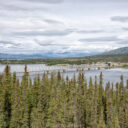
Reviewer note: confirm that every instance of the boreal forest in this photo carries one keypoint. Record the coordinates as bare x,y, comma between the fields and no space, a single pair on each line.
52,101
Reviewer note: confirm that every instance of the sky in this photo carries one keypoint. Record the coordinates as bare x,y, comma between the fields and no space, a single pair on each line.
63,26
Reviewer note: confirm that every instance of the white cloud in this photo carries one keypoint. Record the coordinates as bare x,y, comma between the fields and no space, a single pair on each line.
62,25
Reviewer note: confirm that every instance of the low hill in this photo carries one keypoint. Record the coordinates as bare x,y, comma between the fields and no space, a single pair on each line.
119,51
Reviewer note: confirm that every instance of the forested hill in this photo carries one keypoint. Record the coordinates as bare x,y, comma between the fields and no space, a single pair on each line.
118,51
117,55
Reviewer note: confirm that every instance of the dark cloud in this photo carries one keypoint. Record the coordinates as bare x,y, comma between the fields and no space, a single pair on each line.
46,1
50,21
125,29
104,0
10,43
100,39
21,8
44,33
44,43
53,44
20,5
5,42
89,31
120,18
49,43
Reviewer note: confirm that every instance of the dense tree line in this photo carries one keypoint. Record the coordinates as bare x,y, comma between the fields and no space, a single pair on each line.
55,102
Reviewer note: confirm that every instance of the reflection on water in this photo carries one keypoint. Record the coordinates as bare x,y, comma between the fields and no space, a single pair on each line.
112,75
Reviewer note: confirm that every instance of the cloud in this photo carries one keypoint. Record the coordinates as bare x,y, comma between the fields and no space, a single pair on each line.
18,7
44,33
10,44
61,25
52,43
55,22
89,31
126,29
120,18
123,41
100,39
5,42
46,1
44,42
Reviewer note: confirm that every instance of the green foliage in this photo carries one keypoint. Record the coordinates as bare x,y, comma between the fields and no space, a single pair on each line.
55,102
125,66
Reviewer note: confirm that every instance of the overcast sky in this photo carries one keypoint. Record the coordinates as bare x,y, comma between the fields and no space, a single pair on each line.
40,26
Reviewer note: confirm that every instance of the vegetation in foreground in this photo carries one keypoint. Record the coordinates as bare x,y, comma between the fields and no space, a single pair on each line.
55,102
125,66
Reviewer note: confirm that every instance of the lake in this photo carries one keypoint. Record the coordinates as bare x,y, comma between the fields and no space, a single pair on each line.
112,75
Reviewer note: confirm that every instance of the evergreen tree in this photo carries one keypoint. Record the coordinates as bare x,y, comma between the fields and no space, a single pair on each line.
101,123
58,102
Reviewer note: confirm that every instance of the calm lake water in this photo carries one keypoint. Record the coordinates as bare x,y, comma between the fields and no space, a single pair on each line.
112,75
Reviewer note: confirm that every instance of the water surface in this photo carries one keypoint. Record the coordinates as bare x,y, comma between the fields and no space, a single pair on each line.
112,75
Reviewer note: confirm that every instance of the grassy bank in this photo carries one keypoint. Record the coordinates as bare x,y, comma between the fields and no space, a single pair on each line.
125,66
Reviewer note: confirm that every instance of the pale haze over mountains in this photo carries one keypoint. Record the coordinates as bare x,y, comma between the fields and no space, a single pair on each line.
119,51
62,28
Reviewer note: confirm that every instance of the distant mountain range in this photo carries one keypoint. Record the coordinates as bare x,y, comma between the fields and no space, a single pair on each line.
116,52
45,55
